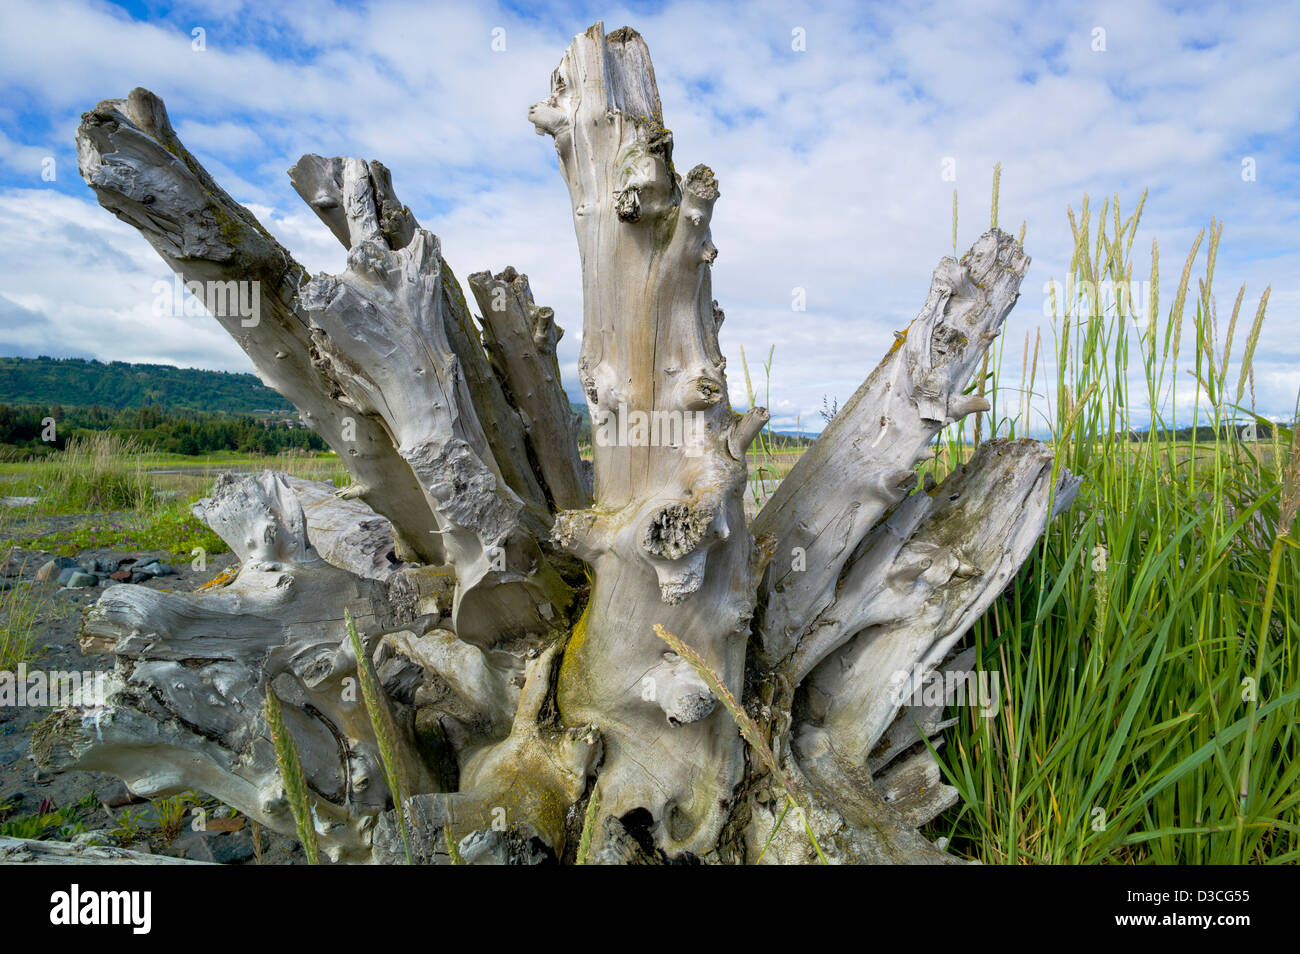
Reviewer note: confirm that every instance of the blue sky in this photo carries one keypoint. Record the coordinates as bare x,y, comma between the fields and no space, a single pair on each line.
830,158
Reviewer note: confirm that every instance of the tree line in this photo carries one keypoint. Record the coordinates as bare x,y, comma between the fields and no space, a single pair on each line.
26,431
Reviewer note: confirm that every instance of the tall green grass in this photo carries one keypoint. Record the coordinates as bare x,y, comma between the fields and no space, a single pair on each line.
1148,650
100,473
385,729
293,778
763,473
20,607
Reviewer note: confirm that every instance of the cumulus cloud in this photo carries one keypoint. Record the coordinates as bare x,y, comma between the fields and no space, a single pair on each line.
831,158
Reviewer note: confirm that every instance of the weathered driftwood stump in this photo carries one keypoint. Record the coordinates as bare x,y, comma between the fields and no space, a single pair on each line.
509,598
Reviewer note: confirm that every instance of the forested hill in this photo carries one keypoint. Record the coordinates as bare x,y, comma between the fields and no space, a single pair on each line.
75,382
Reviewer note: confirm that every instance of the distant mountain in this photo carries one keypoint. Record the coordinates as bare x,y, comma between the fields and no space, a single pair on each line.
76,382
120,385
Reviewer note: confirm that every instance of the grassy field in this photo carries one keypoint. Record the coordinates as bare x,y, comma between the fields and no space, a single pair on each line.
173,471
128,498
1148,651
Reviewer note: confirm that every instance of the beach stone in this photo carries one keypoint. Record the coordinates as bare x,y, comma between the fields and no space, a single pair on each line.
51,569
119,795
81,579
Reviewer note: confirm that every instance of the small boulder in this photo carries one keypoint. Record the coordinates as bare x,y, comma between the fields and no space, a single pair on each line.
80,579
53,569
118,795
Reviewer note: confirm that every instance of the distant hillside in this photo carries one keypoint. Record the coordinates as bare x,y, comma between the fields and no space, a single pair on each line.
75,382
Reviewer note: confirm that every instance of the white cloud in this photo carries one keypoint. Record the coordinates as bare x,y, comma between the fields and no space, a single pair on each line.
829,160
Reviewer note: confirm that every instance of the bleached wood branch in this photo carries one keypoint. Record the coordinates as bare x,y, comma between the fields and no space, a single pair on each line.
28,851
381,337
862,464
922,579
140,171
355,199
520,338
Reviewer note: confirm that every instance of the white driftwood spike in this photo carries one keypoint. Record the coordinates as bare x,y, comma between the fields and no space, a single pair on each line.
665,535
861,465
520,339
